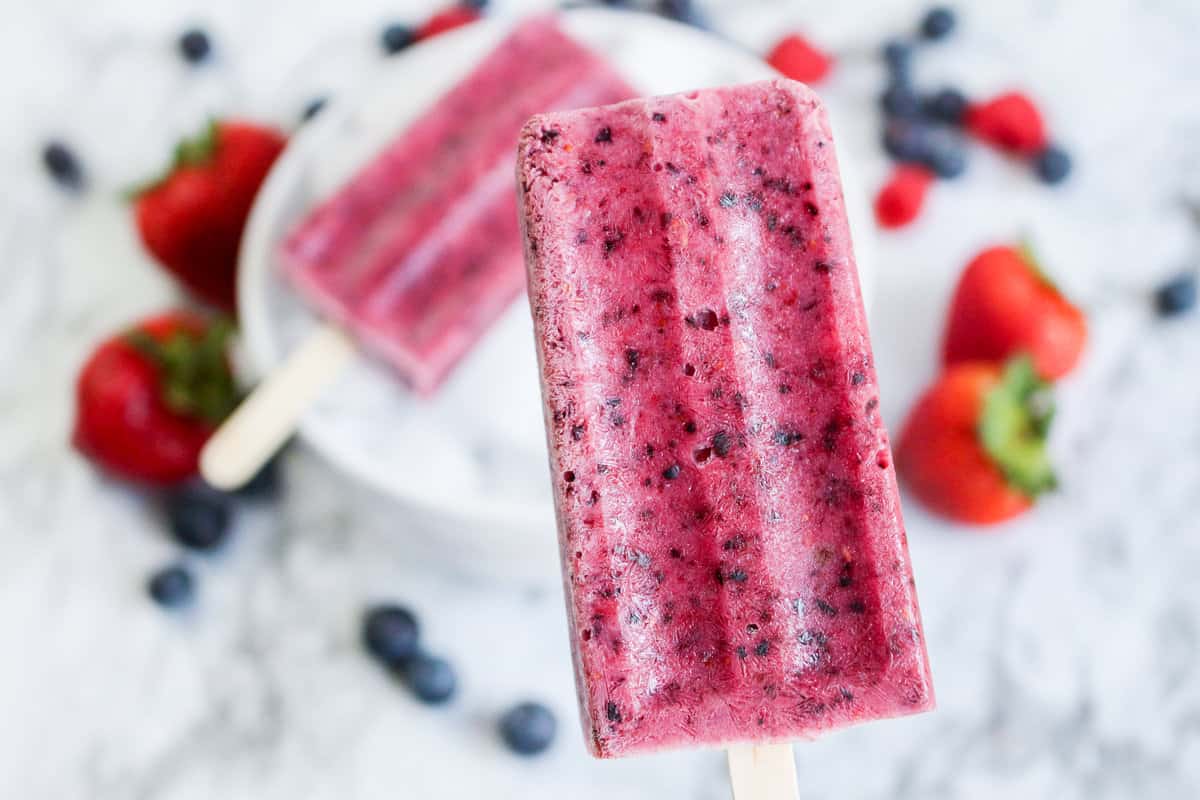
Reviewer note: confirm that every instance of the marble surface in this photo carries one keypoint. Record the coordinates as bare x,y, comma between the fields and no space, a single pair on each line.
1064,646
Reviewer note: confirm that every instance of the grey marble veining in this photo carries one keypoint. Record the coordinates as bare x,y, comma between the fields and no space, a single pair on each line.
1064,646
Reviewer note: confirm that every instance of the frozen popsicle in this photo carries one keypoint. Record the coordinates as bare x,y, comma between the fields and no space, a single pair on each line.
421,252
735,561
418,254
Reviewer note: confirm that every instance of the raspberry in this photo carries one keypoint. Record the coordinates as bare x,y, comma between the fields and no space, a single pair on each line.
1010,122
798,59
899,201
446,20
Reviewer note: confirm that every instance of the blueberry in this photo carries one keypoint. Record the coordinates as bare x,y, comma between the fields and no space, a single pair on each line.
195,46
266,483
430,678
682,11
937,23
391,634
528,728
314,107
897,55
947,105
396,37
63,166
947,162
904,140
946,157
899,100
1052,165
171,587
478,5
1177,295
199,517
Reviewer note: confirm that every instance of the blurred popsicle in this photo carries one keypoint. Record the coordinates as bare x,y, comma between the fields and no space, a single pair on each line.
420,253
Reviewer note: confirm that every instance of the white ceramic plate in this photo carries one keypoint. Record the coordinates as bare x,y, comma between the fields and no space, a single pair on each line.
475,455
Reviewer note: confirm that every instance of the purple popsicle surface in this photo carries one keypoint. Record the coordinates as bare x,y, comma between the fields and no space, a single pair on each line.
735,560
421,251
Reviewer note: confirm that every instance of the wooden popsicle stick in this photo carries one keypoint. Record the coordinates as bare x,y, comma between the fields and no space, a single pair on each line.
763,772
268,416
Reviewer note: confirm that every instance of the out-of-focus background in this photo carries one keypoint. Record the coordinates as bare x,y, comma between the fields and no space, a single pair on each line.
1064,645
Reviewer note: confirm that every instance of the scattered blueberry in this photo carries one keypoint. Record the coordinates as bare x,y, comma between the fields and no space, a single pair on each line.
266,483
195,46
1177,295
478,5
946,105
430,678
1052,165
63,166
899,100
199,517
528,728
905,140
396,37
937,23
946,156
391,634
314,107
897,55
171,587
682,11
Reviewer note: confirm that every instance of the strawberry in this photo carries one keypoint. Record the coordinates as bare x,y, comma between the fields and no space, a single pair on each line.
797,58
1004,305
148,399
447,20
973,448
1010,122
192,218
899,201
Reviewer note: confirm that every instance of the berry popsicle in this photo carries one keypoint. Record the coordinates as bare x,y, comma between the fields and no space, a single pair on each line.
735,561
421,252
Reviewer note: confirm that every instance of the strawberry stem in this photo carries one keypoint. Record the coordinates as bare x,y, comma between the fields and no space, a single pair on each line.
1029,255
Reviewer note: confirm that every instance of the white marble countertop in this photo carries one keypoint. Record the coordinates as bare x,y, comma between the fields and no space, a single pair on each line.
1064,646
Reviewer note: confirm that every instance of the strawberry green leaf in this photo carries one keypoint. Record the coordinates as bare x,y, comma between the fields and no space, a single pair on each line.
194,370
195,151
1013,427
198,149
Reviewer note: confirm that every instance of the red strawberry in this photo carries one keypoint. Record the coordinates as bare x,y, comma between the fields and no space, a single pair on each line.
192,219
973,448
1010,122
798,59
899,201
148,399
1004,305
447,20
